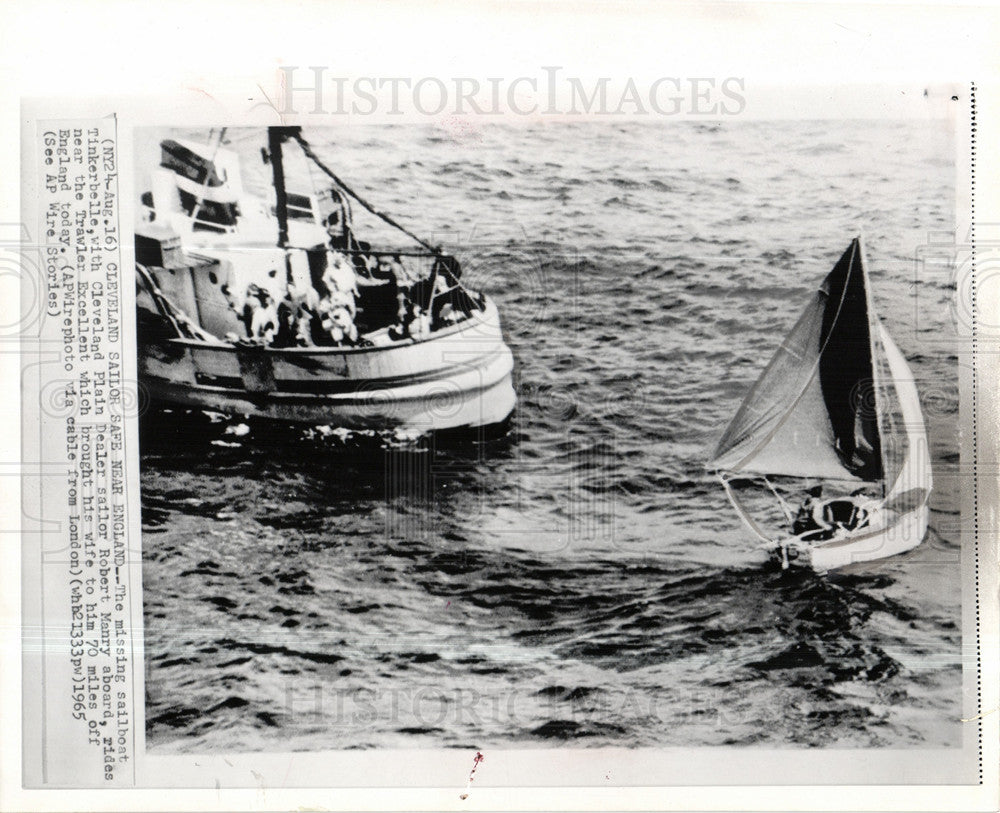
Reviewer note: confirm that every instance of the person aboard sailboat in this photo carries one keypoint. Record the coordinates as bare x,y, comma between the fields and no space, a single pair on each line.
819,519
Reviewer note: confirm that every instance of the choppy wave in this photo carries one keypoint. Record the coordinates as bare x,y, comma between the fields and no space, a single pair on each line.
578,578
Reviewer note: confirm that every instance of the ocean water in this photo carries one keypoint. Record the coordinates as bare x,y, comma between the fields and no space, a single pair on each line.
577,579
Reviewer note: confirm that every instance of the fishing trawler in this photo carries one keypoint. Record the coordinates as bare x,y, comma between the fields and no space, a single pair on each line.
273,308
836,407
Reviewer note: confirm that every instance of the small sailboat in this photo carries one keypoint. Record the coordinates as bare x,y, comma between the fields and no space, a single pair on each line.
835,408
272,307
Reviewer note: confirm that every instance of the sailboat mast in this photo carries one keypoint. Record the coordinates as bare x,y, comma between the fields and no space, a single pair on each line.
275,138
877,385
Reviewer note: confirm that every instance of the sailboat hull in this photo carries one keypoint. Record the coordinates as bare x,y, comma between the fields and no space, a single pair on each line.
902,533
457,377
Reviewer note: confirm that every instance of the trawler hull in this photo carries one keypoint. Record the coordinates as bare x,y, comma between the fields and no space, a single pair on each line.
456,377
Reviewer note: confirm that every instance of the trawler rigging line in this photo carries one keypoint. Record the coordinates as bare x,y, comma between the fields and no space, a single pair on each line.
295,132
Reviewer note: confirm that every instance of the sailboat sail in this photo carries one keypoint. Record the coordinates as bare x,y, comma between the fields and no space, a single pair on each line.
889,392
908,468
814,411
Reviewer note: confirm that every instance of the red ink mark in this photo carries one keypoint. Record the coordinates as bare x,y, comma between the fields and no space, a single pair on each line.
446,606
475,764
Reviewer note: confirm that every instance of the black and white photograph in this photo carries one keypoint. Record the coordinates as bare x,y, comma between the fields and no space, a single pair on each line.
548,435
474,406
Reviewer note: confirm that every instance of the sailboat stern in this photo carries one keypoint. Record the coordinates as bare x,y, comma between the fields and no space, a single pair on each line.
889,535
